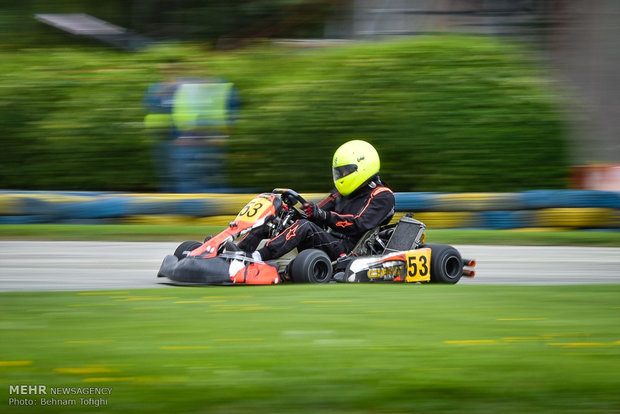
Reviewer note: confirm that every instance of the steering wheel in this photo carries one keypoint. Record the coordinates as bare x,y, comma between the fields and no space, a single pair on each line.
291,198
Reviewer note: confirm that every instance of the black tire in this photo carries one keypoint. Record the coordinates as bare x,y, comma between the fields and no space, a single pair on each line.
311,266
446,264
186,247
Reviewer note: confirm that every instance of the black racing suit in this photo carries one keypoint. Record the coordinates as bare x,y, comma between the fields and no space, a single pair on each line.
348,218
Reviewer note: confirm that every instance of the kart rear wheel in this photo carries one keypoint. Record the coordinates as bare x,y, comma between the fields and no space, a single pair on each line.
311,266
446,264
186,247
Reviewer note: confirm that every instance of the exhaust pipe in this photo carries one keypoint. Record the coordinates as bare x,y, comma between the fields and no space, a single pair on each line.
469,272
469,262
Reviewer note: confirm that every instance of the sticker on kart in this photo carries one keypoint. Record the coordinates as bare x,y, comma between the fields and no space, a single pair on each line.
408,266
256,209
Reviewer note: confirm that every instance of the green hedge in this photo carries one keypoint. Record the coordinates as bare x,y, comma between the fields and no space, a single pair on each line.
72,120
446,113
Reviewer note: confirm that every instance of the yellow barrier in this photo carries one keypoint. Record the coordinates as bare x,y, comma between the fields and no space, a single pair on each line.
446,220
577,217
177,220
10,205
475,201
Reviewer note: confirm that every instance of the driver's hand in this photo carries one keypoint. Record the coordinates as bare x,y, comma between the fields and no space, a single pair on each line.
314,212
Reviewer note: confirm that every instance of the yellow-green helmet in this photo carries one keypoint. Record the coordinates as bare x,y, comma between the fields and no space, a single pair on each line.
354,163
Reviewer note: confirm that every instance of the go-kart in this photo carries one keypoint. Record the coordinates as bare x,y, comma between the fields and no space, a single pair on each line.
391,253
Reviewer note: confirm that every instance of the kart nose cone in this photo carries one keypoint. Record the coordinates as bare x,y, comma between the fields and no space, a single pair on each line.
195,270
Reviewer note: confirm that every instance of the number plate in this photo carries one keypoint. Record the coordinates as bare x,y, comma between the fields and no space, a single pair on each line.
254,210
418,265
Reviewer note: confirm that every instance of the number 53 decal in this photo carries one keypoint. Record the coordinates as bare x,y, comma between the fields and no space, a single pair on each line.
418,265
254,209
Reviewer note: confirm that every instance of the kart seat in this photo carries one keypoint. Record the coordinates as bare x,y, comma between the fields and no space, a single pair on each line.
406,234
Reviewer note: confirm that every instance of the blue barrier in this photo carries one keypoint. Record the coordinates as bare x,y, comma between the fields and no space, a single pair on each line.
415,201
502,220
537,199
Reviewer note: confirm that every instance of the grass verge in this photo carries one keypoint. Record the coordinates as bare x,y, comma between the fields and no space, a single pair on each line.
319,348
131,232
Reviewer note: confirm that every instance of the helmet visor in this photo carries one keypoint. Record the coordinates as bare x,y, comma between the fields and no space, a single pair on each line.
343,171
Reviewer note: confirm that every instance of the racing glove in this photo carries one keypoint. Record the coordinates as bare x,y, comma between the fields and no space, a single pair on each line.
314,212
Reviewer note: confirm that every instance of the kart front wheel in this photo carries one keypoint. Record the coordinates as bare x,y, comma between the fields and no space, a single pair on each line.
446,264
311,266
184,248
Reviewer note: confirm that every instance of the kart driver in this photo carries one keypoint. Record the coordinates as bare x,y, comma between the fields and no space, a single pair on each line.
360,202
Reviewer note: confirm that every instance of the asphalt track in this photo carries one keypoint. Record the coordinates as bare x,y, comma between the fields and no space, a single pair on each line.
84,266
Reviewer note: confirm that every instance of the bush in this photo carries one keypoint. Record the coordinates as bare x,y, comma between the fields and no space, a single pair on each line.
446,114
72,121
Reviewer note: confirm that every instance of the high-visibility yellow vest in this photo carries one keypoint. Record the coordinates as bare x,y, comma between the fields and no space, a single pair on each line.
158,121
201,104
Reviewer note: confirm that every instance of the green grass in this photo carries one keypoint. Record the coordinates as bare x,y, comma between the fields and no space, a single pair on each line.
179,233
124,232
527,237
321,348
